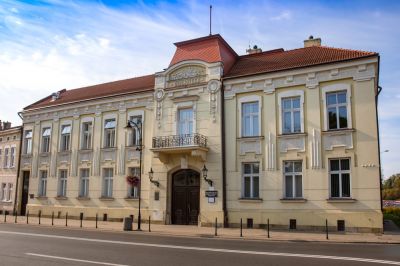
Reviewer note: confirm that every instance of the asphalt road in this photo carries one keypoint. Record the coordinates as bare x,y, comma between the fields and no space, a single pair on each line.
34,245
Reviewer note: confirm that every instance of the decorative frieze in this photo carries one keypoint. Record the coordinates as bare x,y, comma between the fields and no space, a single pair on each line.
270,152
213,87
295,142
333,139
315,150
252,145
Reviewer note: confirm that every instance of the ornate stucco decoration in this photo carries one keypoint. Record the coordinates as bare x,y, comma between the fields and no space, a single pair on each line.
159,96
187,75
213,87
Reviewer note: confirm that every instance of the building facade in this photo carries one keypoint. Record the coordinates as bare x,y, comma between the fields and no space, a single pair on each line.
289,136
10,138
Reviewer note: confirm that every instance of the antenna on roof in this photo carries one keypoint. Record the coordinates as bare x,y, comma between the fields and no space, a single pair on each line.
210,18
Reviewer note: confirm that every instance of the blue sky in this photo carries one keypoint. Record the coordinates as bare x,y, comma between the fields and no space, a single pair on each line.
49,45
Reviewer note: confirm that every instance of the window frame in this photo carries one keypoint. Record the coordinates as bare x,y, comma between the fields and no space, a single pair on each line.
4,192
249,99
134,134
65,138
84,183
86,135
28,142
43,178
134,171
62,183
339,172
9,192
293,177
291,94
6,159
189,123
337,88
110,132
45,140
12,157
251,175
108,183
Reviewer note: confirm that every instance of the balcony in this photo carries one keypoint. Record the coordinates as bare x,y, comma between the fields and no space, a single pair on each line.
189,144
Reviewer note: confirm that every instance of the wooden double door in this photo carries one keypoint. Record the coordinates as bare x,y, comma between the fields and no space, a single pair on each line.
185,197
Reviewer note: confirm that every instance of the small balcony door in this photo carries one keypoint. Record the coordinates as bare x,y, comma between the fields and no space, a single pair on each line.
185,121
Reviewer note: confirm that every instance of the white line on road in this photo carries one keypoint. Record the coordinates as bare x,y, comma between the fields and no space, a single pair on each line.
71,259
207,249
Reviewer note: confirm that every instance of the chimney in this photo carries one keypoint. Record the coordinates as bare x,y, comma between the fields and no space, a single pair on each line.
6,125
312,42
254,50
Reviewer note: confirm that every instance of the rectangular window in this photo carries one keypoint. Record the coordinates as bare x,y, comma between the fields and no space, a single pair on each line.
107,183
339,172
109,133
43,184
86,142
5,161
12,157
28,142
251,178
65,137
46,133
293,179
3,191
9,193
291,120
336,104
185,121
134,139
62,183
250,119
84,183
133,191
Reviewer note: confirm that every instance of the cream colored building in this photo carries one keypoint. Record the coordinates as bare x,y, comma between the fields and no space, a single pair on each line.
10,138
289,136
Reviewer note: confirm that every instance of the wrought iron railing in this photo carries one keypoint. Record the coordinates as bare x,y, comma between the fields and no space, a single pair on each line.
180,141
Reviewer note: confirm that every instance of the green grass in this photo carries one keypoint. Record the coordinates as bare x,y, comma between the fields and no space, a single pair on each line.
392,214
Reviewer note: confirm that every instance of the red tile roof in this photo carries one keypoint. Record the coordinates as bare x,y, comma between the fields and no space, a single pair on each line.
139,84
276,60
210,49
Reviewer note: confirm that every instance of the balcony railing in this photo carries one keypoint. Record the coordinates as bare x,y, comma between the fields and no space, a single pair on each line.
180,141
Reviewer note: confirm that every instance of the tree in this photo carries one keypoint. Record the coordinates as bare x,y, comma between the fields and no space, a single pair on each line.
391,188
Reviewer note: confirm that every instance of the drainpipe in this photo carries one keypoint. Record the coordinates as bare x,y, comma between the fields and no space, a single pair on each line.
19,166
226,222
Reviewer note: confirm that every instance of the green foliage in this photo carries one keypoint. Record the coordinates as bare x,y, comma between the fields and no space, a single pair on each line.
392,213
391,188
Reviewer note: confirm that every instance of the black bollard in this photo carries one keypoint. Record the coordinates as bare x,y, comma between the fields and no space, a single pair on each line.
52,218
326,228
27,217
66,219
5,216
40,214
81,217
241,227
133,219
149,224
15,216
268,228
215,227
97,218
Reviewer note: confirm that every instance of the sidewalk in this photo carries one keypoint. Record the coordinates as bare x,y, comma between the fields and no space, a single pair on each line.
209,232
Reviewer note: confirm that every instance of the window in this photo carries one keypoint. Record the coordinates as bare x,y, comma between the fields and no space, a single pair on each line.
46,132
62,183
3,191
12,157
84,183
28,142
0,155
86,142
43,184
65,137
5,162
291,119
293,179
185,121
133,190
135,134
109,133
251,180
336,104
107,183
9,193
339,171
250,121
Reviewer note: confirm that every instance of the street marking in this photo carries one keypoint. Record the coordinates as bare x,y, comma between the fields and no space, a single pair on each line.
71,259
265,253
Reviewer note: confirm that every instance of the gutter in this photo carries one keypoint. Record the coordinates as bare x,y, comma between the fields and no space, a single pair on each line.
224,209
378,91
15,211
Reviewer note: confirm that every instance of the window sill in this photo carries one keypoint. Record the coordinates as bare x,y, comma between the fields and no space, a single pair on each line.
293,200
85,150
252,200
341,200
41,197
109,148
64,152
44,154
26,155
338,131
106,198
61,198
131,199
7,202
251,138
82,198
289,135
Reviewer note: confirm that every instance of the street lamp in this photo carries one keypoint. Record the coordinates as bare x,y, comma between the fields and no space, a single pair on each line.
138,126
151,173
205,172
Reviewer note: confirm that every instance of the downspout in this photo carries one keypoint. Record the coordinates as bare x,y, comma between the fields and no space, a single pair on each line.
226,222
19,166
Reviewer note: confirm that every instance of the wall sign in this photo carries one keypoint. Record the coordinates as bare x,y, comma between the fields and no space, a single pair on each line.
211,193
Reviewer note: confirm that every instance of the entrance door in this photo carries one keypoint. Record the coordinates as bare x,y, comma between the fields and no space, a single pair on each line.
25,191
185,197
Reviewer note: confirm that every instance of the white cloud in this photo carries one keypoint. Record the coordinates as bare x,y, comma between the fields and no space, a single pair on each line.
285,15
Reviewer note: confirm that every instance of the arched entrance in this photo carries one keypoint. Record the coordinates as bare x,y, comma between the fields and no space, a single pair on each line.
185,197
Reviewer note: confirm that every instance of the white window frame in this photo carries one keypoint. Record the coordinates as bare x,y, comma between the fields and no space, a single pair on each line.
291,94
6,161
12,156
28,141
251,175
3,191
184,125
339,172
293,176
112,131
108,183
62,183
84,183
9,192
133,191
86,135
42,140
43,178
336,88
65,137
248,99
130,115
184,105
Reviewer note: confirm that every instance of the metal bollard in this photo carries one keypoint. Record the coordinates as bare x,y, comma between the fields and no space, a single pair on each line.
52,218
81,218
149,224
27,217
216,227
268,228
241,227
15,217
97,218
40,214
326,228
5,216
66,219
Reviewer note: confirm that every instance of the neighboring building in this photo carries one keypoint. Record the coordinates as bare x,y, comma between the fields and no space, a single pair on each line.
289,136
10,138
